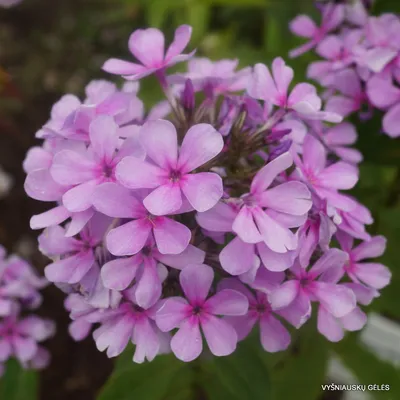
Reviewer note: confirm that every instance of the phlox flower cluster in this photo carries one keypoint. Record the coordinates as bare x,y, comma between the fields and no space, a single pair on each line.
186,226
361,60
21,331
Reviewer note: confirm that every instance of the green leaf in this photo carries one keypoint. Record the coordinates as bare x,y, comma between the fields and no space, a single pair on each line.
141,381
382,6
300,374
18,383
243,375
240,376
368,368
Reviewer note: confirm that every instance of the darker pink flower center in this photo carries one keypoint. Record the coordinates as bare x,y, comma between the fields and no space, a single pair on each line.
196,310
108,171
175,176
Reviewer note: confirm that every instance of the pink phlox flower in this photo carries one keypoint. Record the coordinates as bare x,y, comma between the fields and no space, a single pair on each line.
381,35
338,139
273,334
259,217
352,97
198,311
384,94
87,169
353,221
167,168
114,200
332,16
20,337
131,323
371,274
19,284
147,45
313,284
83,316
339,52
326,180
238,257
78,255
303,99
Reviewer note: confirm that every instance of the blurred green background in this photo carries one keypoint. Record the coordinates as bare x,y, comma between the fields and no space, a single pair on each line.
52,47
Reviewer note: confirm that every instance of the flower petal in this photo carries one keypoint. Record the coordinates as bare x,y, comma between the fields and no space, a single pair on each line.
160,142
79,198
329,326
267,174
49,218
71,269
273,261
290,198
374,275
275,236
391,121
220,336
53,242
171,236
116,201
146,340
172,313
261,85
191,255
218,219
203,190
103,137
118,274
166,199
336,299
340,175
200,145
137,174
187,343
369,249
333,258
314,154
147,45
274,336
121,67
237,257
181,40
284,295
40,185
196,280
129,238
227,302
283,75
72,168
148,287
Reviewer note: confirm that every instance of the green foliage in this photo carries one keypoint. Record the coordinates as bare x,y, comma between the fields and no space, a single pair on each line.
382,6
300,374
17,383
242,376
